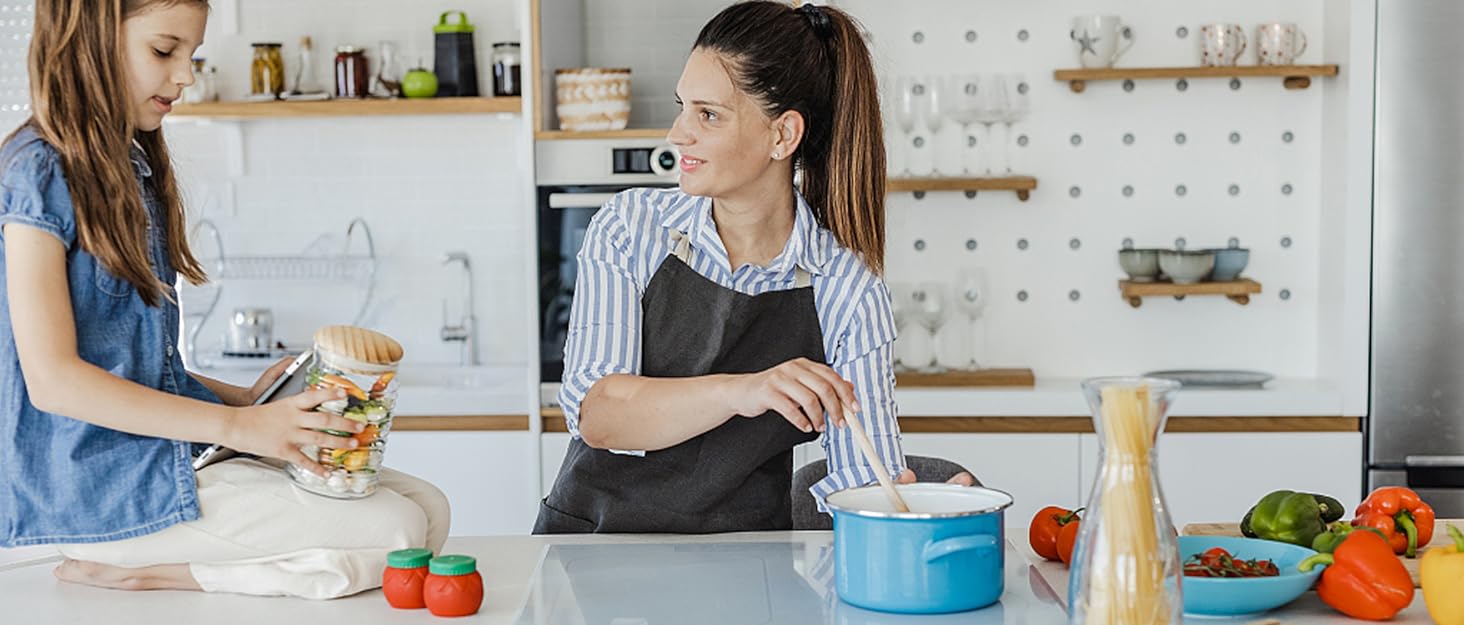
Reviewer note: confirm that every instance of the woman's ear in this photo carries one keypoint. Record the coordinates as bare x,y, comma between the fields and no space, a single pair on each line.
787,134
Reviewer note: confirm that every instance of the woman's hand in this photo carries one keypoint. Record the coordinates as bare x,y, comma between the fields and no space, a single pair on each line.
801,390
278,429
963,478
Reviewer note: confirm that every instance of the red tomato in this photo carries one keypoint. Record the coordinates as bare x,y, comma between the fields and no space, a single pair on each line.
1046,526
1065,541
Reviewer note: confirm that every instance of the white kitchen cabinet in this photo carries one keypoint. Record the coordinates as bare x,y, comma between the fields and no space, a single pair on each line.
486,475
1216,477
1036,469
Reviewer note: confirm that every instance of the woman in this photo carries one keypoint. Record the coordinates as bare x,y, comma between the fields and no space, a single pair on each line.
717,326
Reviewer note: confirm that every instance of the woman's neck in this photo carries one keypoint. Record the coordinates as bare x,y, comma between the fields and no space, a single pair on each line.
755,223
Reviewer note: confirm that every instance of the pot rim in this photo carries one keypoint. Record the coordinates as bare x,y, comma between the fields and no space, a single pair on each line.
917,516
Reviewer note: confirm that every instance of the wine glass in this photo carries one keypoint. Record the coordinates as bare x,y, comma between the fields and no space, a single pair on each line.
962,106
1017,106
971,294
992,108
909,96
936,93
929,310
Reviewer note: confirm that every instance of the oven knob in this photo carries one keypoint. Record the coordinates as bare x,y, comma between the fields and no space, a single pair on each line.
663,160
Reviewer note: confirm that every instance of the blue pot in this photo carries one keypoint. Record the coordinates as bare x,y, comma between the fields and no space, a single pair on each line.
946,555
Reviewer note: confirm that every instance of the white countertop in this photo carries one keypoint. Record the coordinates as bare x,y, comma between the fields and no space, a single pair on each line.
508,565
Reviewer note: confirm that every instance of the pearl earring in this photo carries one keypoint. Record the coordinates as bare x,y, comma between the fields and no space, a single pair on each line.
777,155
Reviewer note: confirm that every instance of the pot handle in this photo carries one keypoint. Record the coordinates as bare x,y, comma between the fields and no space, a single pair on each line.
942,548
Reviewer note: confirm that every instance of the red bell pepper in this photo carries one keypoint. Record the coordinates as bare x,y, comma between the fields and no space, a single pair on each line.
1364,579
1403,518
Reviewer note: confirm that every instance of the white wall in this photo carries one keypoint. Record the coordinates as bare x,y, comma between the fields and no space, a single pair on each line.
425,185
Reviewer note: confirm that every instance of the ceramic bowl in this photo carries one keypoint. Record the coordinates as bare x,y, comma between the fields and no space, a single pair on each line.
1140,265
1185,266
1229,262
1245,596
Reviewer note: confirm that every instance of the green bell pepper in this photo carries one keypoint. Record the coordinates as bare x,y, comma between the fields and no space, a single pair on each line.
1288,517
1326,542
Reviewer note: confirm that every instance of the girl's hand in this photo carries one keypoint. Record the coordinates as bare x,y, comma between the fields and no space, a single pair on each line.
278,429
801,390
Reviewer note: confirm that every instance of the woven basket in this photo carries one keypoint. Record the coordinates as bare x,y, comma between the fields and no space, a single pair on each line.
592,98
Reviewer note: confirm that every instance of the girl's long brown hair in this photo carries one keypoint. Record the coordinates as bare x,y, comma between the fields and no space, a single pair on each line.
79,104
814,61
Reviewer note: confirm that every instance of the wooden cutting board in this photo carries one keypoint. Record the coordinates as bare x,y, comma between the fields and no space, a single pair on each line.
1440,538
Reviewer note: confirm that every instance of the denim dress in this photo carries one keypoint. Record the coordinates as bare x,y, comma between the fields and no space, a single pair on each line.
63,480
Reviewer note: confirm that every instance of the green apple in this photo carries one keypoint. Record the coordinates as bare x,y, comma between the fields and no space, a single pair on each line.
419,83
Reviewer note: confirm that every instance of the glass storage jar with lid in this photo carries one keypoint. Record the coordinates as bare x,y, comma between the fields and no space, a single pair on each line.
507,60
267,71
364,364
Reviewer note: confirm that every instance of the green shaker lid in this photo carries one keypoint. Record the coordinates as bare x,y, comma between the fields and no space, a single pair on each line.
452,565
408,558
461,26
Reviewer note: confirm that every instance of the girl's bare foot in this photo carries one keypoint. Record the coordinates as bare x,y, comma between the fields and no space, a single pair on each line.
157,577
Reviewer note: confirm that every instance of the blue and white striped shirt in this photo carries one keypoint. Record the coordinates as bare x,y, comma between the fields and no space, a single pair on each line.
626,242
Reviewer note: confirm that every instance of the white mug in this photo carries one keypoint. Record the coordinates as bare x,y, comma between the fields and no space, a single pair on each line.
1095,37
1221,44
1279,44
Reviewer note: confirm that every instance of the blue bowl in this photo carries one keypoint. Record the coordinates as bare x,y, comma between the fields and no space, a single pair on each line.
1245,596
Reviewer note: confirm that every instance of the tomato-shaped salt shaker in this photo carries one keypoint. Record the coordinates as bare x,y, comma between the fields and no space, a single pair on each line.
404,578
454,587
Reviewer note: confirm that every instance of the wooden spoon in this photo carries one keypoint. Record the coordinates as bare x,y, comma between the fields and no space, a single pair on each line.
862,440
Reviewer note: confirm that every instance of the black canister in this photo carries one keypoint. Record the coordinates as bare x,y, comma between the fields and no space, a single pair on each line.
455,64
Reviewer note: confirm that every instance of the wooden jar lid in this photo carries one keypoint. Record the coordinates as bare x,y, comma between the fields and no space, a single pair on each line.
357,349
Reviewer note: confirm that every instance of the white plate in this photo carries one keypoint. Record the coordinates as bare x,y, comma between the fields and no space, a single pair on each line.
1190,378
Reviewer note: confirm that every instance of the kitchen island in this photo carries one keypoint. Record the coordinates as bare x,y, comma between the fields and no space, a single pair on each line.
775,577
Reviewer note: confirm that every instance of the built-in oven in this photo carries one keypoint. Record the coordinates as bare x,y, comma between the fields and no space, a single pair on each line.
574,178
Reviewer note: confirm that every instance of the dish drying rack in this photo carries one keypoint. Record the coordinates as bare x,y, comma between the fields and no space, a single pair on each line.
346,267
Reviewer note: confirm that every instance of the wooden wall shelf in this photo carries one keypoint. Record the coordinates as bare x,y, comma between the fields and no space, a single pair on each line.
628,133
1023,185
956,378
350,108
1238,291
1292,76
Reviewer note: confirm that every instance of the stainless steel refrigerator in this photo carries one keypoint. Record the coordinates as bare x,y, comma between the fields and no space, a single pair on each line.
1415,425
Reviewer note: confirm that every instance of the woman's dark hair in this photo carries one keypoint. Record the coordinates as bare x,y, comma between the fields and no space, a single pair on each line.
812,59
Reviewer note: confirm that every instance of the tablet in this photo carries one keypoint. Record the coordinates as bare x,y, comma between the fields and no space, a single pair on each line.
291,382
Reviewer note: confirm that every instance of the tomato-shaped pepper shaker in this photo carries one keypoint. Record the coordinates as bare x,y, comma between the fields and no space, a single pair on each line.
404,578
454,587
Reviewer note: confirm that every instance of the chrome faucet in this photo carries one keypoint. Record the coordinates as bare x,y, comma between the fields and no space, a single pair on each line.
466,329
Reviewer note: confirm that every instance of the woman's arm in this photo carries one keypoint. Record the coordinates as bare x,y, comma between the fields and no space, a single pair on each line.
45,340
610,406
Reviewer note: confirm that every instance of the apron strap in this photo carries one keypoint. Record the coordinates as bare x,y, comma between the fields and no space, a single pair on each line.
801,277
681,246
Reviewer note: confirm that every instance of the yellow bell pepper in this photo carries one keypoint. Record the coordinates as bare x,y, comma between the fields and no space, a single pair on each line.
1442,577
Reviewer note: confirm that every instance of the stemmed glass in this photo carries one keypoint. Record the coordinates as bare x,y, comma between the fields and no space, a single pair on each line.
971,294
992,108
934,114
909,97
1017,106
929,311
963,107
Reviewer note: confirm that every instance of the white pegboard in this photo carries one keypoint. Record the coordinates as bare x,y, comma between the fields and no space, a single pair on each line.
1274,162
15,36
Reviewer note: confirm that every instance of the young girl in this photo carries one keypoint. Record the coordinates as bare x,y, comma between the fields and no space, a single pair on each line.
96,410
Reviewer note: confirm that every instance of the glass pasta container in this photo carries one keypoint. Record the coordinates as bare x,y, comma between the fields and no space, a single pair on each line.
364,364
1126,565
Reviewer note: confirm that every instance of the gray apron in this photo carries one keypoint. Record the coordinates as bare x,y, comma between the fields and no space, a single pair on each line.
736,477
